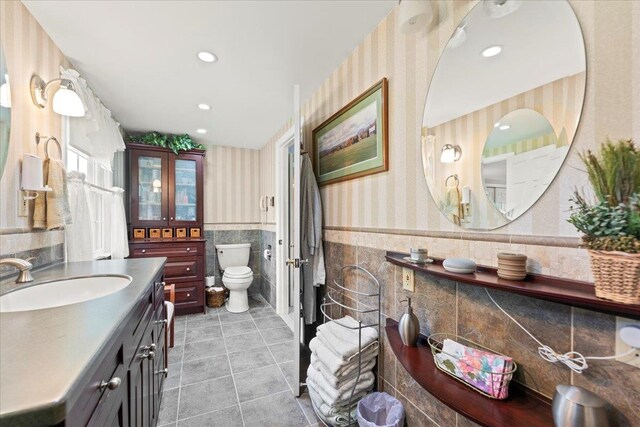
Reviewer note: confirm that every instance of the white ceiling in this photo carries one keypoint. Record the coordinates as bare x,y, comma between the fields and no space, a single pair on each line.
140,58
541,42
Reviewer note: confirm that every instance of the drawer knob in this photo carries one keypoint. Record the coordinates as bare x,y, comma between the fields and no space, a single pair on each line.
160,284
161,321
113,384
188,269
151,347
188,295
164,218
188,249
150,355
144,251
165,371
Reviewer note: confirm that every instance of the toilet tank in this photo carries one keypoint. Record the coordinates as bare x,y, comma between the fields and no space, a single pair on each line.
236,255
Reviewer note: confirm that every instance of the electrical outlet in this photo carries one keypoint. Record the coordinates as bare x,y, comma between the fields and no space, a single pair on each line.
407,280
23,204
621,347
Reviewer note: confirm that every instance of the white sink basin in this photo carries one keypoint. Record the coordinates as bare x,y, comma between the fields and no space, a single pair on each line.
62,292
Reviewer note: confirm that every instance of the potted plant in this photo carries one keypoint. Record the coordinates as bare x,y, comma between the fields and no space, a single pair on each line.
175,143
611,222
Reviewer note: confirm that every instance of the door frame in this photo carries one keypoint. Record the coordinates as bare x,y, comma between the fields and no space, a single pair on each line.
282,222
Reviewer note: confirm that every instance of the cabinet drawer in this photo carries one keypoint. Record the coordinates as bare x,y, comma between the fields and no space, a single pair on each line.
183,268
188,296
168,250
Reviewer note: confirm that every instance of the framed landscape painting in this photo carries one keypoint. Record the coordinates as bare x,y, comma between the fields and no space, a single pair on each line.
354,141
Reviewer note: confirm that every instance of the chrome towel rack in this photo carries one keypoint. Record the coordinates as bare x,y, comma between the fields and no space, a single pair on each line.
333,302
46,144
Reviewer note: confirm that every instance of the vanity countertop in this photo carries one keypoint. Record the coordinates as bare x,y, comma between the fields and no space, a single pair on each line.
44,352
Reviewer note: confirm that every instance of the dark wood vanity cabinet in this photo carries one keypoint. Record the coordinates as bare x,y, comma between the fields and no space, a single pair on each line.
165,215
125,390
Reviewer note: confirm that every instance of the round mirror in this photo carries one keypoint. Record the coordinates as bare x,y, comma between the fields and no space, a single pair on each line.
502,109
5,111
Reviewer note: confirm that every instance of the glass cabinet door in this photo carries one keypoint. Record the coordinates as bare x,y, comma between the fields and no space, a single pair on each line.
185,197
150,188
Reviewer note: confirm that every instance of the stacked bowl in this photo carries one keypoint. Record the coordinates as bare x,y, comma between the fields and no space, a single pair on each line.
512,266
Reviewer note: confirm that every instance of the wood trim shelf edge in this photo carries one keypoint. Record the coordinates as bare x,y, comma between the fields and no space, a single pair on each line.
555,289
523,406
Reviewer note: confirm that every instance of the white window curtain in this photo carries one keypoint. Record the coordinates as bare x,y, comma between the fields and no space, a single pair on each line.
97,133
99,224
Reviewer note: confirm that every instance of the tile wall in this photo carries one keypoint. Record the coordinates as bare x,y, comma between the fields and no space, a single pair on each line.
451,307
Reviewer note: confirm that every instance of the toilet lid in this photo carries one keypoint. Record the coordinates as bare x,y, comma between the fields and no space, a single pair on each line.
238,271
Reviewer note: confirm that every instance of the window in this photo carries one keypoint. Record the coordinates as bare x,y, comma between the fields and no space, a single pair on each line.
100,179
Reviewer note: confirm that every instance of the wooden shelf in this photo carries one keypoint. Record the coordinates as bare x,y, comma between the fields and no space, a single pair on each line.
564,291
523,407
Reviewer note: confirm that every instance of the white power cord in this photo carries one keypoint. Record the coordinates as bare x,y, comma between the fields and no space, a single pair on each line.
574,360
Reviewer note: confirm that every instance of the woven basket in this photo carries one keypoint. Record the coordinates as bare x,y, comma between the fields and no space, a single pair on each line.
215,298
617,276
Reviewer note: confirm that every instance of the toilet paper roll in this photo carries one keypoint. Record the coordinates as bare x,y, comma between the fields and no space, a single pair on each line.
209,281
267,254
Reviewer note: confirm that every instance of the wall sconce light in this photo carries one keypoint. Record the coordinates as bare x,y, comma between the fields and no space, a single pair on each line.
414,15
450,153
66,101
157,186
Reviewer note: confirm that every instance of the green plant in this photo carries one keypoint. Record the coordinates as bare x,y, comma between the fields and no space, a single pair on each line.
612,222
614,173
175,143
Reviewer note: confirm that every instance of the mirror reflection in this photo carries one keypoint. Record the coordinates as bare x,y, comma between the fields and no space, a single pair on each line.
5,111
506,94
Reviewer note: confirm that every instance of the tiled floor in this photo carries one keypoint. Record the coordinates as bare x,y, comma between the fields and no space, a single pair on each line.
229,370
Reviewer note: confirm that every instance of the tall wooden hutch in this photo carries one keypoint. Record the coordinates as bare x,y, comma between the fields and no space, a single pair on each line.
165,216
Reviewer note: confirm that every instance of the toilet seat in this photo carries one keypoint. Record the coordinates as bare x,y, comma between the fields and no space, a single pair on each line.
242,272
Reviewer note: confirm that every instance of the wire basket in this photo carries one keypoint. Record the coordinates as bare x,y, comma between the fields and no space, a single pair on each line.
484,380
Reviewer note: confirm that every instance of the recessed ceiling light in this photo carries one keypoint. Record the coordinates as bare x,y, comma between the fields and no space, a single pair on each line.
201,130
204,106
504,127
491,51
207,56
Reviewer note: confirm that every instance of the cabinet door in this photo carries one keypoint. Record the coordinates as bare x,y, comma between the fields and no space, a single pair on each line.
149,188
159,367
185,198
141,384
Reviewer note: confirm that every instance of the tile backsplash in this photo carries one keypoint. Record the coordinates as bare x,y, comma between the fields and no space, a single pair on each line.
45,247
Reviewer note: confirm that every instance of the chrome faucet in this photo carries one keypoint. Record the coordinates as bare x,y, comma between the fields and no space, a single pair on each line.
23,265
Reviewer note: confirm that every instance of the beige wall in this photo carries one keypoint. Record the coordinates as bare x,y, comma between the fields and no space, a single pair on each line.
28,50
231,186
399,199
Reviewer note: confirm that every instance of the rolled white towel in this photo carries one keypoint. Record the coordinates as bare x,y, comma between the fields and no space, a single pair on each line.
365,380
361,390
337,382
335,365
344,341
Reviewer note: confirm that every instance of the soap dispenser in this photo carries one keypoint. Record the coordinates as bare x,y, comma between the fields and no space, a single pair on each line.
409,327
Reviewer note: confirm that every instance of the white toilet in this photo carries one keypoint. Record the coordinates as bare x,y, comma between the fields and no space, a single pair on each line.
233,260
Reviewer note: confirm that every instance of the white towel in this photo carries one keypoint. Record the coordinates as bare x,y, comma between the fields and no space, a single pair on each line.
348,375
335,365
365,380
344,341
338,348
337,417
342,400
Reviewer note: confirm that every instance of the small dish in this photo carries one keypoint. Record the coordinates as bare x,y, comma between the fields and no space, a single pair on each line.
459,265
426,261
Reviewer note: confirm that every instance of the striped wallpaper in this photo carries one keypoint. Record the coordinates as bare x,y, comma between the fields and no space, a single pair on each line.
28,50
399,199
231,185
